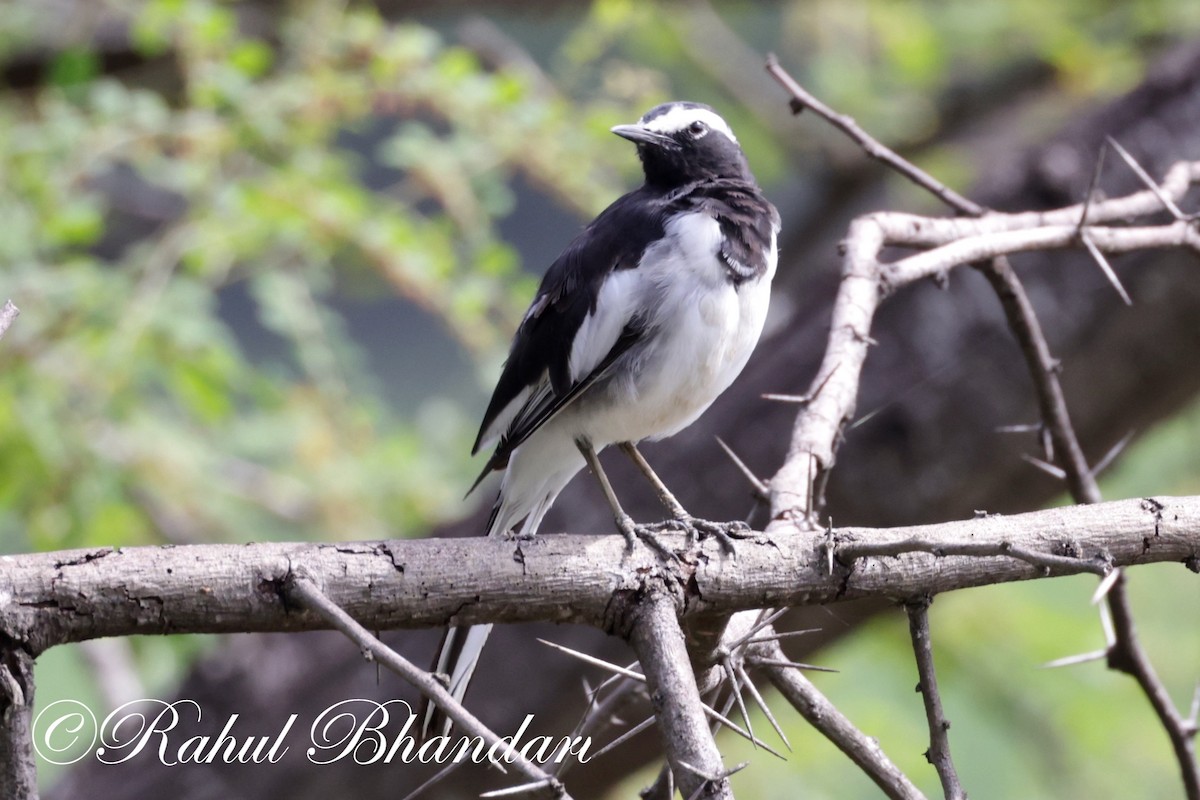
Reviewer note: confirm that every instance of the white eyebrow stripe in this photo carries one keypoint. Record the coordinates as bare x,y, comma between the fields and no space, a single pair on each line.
680,117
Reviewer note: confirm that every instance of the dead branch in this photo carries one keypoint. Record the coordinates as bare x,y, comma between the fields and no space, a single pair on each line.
18,769
54,598
691,751
939,727
305,592
1036,231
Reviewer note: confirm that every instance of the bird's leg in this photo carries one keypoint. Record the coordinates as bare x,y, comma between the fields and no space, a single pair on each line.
664,494
625,524
723,531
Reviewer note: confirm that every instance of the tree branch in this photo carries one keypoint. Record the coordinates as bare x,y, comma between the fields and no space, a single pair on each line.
1126,655
18,769
69,596
305,592
939,742
966,242
687,740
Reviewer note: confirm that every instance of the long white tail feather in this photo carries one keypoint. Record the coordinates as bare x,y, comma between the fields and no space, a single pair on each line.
458,657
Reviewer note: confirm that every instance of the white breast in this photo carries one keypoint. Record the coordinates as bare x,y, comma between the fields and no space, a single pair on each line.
703,332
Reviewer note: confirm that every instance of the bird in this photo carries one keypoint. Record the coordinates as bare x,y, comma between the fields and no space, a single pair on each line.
647,316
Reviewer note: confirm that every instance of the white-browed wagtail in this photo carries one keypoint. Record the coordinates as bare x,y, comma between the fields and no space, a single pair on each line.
646,317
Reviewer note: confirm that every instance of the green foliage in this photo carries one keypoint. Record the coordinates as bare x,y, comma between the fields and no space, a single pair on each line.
132,409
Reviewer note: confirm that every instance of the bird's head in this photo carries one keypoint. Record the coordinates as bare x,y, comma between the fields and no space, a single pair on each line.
683,142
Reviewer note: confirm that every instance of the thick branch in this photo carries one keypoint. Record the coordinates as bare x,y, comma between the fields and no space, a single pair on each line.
54,598
687,740
18,769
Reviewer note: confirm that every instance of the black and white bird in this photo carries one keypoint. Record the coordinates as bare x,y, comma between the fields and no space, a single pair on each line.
642,322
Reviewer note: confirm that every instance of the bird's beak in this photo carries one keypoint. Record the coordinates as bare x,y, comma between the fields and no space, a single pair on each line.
640,135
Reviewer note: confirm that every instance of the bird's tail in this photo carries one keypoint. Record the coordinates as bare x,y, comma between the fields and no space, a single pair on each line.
458,654
457,657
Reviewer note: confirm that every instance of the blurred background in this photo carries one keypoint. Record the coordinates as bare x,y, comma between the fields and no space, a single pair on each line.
269,256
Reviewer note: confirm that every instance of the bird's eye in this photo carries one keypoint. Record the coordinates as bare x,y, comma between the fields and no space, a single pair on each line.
698,129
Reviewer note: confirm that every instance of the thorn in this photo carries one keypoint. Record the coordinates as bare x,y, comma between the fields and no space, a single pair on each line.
713,777
775,662
436,779
800,399
759,624
784,635
1091,192
525,788
1068,661
804,399
599,662
731,676
626,736
1113,452
760,486
1023,427
1110,580
1105,267
830,546
1110,633
728,723
762,706
1045,466
710,779
1047,439
1168,204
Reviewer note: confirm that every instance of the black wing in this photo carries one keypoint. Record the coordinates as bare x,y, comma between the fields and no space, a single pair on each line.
542,345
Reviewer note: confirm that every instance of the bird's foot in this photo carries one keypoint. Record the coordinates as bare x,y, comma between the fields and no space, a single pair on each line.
634,533
700,529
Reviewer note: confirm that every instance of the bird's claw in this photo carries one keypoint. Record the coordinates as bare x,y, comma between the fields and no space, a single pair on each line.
700,529
726,533
634,533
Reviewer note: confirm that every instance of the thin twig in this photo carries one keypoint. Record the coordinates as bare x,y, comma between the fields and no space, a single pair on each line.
304,592
1047,561
939,740
1127,655
802,99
